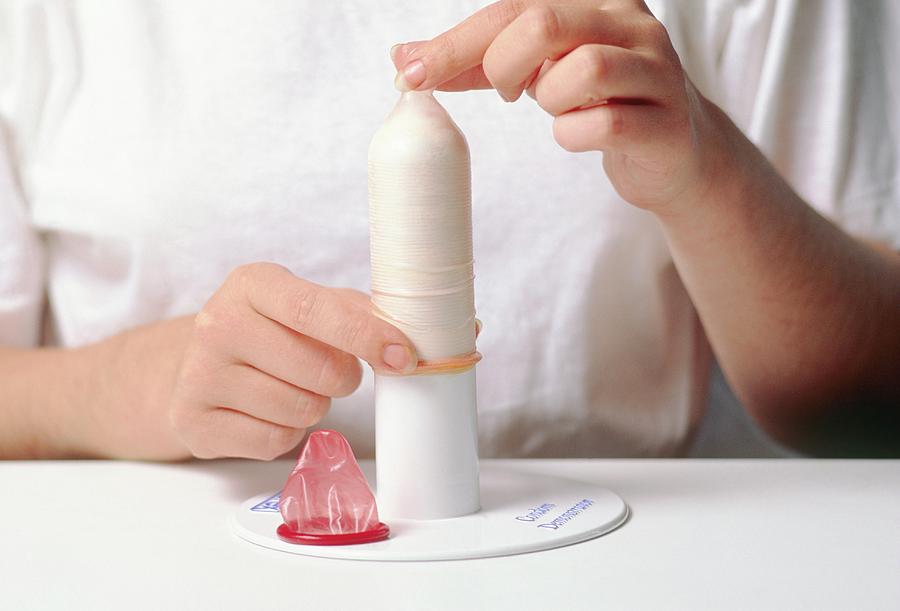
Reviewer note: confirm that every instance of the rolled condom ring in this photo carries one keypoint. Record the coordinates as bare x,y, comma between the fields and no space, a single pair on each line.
420,220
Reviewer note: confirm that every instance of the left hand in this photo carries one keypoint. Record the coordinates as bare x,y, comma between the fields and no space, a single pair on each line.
607,72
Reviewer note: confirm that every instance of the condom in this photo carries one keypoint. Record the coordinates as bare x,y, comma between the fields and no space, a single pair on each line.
326,499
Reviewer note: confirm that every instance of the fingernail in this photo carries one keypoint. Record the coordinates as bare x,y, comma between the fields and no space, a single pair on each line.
411,76
394,51
399,357
503,97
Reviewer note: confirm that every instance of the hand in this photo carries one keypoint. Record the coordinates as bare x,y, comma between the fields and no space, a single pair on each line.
266,355
244,377
605,69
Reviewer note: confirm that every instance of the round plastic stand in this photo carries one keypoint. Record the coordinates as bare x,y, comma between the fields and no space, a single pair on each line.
521,512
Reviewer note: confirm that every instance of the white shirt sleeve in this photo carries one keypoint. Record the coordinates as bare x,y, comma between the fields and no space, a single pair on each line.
21,252
810,82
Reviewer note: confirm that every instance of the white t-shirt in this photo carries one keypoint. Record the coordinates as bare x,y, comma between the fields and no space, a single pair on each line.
150,147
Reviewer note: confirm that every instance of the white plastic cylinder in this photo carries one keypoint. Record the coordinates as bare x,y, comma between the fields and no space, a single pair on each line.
422,282
426,440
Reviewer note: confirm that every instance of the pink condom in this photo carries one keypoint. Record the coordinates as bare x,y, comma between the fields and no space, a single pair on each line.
327,500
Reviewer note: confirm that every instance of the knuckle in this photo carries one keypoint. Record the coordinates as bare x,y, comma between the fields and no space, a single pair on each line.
546,100
306,303
655,32
310,408
203,363
241,275
205,319
213,326
655,65
351,377
332,377
357,331
594,61
327,376
208,321
446,48
543,90
194,376
490,67
542,23
614,120
281,439
242,278
179,418
191,428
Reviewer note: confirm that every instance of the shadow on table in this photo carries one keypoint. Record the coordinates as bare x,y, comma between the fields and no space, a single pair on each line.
243,479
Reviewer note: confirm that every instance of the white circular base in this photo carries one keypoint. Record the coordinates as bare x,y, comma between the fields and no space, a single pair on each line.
521,512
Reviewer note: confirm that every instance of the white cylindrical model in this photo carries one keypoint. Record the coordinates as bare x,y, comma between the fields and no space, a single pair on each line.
420,217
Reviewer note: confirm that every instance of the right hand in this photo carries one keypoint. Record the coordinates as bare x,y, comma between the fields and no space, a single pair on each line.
267,353
608,73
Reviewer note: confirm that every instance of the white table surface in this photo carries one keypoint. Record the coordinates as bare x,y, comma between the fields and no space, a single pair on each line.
708,534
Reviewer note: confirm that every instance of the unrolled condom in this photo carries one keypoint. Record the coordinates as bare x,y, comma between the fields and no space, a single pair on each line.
420,218
420,221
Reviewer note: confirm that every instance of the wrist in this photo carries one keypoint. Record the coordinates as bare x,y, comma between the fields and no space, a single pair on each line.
72,425
43,406
101,406
716,171
129,380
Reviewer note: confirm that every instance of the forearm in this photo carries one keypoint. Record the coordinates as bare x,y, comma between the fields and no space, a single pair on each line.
802,316
42,392
105,400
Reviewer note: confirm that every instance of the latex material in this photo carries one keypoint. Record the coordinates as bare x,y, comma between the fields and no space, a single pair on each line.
327,498
378,533
420,219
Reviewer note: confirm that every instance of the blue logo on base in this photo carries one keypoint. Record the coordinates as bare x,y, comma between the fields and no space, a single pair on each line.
270,505
570,514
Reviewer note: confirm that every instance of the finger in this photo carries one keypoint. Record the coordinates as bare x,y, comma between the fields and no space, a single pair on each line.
595,73
473,78
245,389
470,79
549,32
624,128
531,87
400,52
326,315
457,49
223,432
279,351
